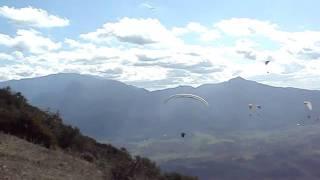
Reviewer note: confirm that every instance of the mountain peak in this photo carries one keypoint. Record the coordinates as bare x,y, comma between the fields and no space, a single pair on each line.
238,78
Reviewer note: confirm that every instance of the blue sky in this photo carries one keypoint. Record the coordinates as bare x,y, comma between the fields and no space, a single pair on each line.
291,14
163,43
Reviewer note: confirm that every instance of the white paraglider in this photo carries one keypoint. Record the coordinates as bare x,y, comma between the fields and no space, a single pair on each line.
190,96
251,107
308,104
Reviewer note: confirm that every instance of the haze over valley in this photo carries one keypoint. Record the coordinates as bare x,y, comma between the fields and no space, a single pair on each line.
224,134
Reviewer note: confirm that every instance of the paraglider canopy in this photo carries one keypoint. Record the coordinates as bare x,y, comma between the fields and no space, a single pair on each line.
308,104
191,96
266,62
252,107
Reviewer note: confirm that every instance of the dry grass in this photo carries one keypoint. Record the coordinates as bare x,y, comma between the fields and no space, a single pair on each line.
20,159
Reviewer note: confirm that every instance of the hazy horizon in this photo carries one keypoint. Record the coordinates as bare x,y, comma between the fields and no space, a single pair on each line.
151,89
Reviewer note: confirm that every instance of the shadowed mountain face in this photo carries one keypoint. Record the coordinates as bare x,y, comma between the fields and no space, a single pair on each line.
108,109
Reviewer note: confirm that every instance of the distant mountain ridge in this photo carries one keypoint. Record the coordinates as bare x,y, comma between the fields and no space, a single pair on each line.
108,109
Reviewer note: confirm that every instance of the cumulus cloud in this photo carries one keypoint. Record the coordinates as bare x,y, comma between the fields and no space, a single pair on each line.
308,53
245,27
29,41
113,73
134,31
146,53
4,56
248,54
18,71
192,27
204,33
144,57
33,17
197,66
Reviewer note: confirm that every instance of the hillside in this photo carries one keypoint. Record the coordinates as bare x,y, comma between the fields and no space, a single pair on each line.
20,159
61,151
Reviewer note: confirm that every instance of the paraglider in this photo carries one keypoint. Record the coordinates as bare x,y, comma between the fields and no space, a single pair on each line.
267,61
190,96
187,96
308,104
183,134
252,107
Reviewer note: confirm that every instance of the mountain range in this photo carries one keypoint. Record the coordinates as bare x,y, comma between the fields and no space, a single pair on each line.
109,109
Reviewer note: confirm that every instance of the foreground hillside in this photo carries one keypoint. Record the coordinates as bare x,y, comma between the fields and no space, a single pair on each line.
58,151
20,159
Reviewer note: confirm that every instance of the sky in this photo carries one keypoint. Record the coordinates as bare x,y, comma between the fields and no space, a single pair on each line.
158,44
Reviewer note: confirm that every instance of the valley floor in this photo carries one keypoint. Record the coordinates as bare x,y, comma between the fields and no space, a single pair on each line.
287,154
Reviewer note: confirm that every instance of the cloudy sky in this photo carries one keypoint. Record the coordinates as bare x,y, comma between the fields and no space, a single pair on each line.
163,43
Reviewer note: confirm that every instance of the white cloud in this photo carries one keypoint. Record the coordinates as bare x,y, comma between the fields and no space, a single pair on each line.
205,33
29,41
14,57
134,31
4,56
33,17
144,52
245,27
210,35
191,27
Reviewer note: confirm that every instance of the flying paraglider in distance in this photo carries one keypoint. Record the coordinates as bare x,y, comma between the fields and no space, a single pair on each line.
183,134
252,107
266,62
308,104
190,96
187,96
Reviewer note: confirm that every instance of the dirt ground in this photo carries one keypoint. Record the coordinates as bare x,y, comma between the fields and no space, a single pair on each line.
20,159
